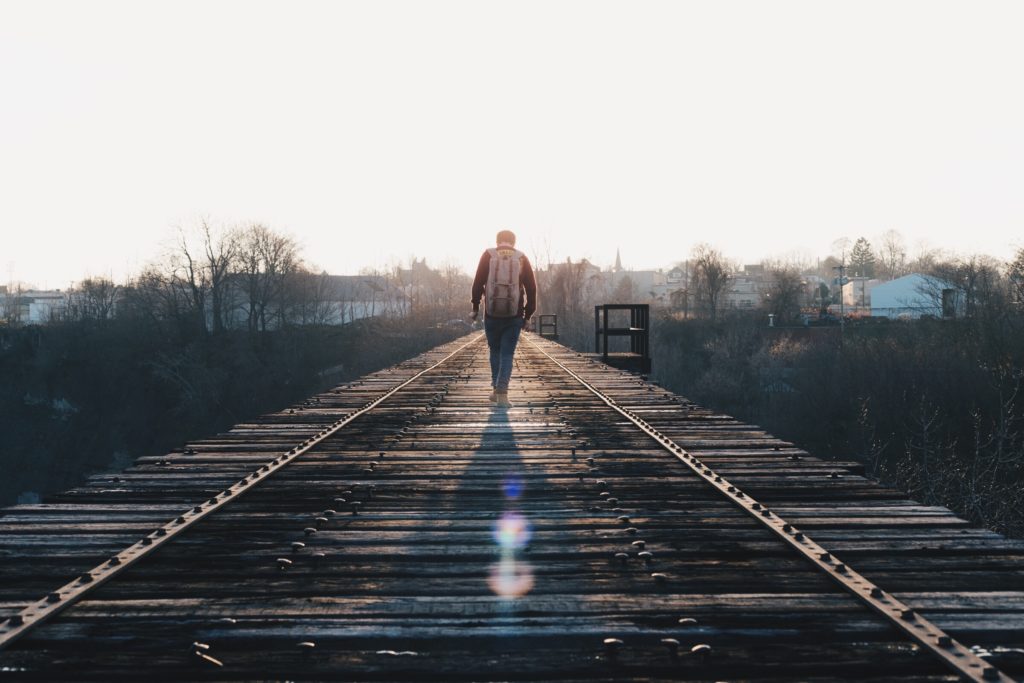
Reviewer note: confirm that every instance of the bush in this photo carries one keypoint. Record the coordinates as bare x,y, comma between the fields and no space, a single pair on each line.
932,406
82,397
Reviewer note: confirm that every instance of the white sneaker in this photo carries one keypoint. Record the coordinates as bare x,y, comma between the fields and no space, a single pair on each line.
502,400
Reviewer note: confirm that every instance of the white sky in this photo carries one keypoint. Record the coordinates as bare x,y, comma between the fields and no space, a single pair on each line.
373,131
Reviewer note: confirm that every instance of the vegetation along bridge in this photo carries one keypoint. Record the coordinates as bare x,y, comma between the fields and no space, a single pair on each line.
401,528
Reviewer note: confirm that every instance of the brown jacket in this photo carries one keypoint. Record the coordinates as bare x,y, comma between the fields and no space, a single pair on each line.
527,285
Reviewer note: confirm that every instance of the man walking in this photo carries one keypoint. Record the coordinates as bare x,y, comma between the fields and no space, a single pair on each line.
506,282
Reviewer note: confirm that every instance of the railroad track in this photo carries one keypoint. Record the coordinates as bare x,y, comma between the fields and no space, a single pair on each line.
401,528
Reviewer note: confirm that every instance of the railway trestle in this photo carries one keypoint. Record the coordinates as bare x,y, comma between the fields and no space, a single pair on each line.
401,527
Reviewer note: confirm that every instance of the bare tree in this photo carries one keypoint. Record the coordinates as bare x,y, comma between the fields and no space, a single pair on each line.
190,277
1015,275
454,286
892,255
785,292
841,249
570,290
12,303
624,292
221,247
566,285
154,296
313,297
978,280
93,299
926,259
268,260
710,275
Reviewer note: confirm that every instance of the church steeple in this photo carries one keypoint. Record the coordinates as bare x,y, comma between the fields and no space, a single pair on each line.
618,262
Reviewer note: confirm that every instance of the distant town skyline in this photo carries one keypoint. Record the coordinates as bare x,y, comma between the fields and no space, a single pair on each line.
374,132
538,248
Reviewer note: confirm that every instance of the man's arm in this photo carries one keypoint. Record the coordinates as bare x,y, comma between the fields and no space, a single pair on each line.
480,281
529,282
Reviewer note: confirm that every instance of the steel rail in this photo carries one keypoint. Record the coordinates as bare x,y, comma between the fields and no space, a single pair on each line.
74,591
929,636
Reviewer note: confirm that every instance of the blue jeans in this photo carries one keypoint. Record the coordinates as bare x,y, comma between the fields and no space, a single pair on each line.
502,337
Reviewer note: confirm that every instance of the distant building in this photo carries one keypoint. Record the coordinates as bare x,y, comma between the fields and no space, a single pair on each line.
743,292
33,307
745,289
676,276
857,291
327,300
582,269
916,295
354,297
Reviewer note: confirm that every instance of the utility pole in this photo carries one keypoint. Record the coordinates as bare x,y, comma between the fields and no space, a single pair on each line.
842,308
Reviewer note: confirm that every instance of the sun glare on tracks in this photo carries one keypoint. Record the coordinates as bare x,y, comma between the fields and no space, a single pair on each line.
512,531
513,487
510,578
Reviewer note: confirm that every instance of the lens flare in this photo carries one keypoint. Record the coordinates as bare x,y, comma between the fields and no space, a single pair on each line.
512,531
513,487
510,578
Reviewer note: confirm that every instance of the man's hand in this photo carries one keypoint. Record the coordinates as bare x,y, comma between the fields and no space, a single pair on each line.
474,314
528,325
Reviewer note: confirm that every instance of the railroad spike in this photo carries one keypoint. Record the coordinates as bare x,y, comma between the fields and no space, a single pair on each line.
612,645
701,650
203,657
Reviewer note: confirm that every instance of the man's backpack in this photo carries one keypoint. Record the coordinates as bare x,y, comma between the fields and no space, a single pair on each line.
502,293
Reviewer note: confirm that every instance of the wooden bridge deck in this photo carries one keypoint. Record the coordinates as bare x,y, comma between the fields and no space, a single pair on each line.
430,536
